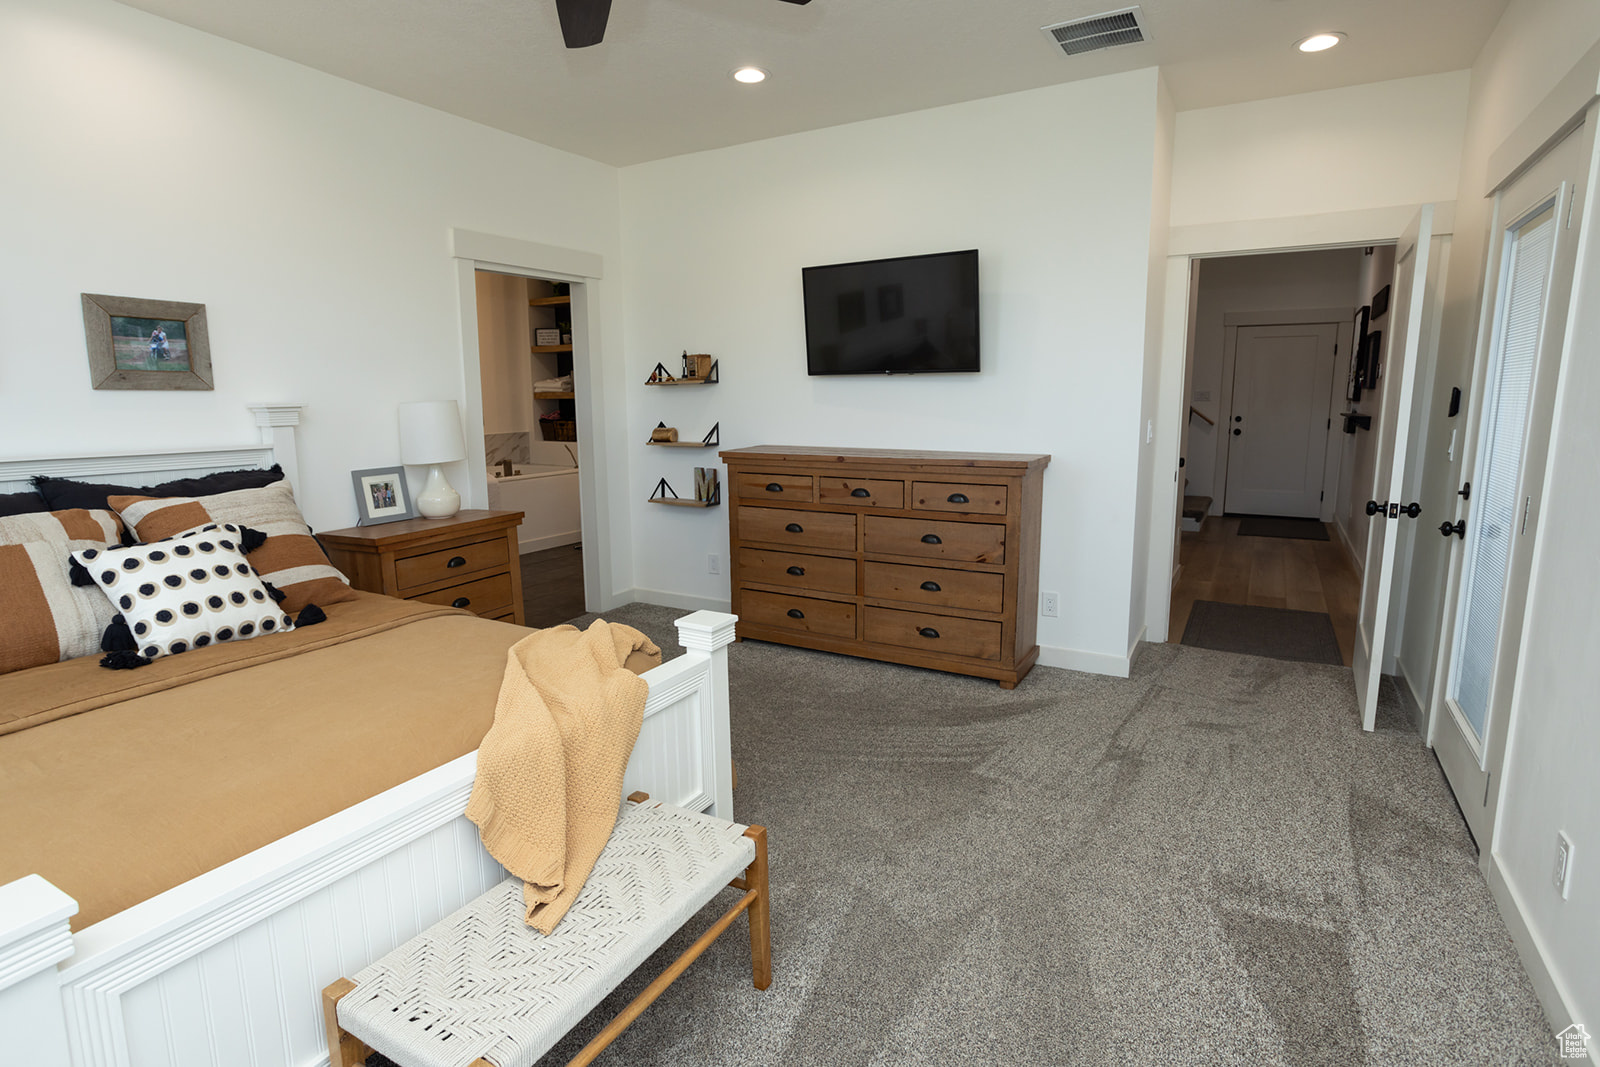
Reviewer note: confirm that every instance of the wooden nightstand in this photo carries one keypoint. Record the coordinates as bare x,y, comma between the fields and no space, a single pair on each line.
469,561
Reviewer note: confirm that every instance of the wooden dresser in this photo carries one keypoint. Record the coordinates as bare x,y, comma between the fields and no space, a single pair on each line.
924,558
467,561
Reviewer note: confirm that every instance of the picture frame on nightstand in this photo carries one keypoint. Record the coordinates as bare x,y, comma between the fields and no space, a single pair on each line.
382,495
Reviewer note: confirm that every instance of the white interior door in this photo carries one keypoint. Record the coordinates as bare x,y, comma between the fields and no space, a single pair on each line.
1411,318
1529,282
1278,424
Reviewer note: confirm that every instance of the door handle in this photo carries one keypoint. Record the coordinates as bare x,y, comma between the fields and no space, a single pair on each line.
1465,492
1375,508
1237,431
1411,510
1459,528
1238,418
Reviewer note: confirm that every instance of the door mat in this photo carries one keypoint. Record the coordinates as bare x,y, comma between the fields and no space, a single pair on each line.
1279,633
1273,526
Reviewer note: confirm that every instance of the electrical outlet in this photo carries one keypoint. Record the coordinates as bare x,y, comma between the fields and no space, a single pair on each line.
1049,605
1563,878
713,564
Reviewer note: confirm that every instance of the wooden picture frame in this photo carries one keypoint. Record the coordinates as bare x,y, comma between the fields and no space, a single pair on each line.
1380,303
136,343
382,495
1358,356
1370,359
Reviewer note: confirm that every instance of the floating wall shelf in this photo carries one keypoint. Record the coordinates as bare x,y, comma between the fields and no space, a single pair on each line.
711,440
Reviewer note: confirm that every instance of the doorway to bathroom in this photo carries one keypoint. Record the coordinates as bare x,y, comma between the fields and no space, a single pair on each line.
531,433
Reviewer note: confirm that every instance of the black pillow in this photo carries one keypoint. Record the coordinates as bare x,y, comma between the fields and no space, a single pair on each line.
22,504
62,493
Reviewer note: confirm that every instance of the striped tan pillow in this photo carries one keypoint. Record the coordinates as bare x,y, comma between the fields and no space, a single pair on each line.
290,559
44,618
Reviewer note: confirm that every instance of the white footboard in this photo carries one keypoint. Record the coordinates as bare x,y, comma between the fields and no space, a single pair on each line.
227,969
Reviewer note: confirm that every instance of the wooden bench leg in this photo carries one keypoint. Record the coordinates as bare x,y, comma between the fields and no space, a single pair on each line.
343,1050
755,876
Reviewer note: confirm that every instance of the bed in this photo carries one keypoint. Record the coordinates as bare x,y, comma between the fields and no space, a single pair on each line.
193,961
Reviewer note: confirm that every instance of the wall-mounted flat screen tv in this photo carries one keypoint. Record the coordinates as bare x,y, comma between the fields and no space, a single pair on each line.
909,315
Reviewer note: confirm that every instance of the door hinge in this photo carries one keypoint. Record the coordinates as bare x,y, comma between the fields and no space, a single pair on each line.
1330,422
1322,494
1526,503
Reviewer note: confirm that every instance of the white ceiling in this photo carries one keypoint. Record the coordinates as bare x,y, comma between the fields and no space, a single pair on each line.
659,84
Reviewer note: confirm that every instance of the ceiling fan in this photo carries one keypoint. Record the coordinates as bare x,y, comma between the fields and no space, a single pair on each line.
583,22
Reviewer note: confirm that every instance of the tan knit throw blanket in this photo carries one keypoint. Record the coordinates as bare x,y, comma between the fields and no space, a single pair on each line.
549,781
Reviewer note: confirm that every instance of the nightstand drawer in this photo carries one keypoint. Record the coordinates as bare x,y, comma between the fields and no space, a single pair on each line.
969,542
413,572
937,634
802,614
823,574
812,529
488,597
935,586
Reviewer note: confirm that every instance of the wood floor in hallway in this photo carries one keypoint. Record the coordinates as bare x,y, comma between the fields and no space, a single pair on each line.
1270,572
552,585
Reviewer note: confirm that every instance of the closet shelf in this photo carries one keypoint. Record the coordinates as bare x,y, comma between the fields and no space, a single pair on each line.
548,301
551,348
569,395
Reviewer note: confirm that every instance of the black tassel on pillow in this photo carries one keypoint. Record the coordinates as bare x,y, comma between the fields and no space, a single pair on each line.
250,540
310,615
274,592
80,574
118,638
125,660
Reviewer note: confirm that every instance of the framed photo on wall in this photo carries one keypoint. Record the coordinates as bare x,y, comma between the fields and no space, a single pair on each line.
1380,303
146,344
1370,357
1357,375
382,496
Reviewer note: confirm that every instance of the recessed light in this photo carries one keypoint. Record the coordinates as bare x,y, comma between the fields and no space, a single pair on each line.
1318,42
750,75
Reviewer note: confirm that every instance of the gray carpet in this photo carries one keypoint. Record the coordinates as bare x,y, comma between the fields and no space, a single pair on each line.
1207,863
1281,633
1274,526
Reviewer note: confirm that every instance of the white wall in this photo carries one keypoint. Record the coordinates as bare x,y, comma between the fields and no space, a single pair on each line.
308,214
1053,186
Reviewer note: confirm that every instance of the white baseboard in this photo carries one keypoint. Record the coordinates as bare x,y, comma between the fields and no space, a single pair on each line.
1349,549
539,544
663,599
1077,659
1417,707
1559,1012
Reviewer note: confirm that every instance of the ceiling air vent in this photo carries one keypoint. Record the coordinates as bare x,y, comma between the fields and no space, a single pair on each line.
1097,32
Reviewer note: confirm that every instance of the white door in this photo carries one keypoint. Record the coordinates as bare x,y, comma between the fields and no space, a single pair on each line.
1278,425
1534,246
1412,338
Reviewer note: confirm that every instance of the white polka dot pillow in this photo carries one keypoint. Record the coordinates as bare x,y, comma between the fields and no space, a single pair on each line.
185,592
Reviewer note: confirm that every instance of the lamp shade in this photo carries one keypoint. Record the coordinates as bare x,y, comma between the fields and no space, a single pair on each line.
430,432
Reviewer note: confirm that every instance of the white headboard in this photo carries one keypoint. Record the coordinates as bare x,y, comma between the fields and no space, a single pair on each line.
275,423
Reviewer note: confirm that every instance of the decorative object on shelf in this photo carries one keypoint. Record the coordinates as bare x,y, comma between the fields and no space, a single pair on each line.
707,490
552,427
712,439
697,366
146,344
663,433
1370,358
662,376
1380,303
430,436
544,337
382,496
665,494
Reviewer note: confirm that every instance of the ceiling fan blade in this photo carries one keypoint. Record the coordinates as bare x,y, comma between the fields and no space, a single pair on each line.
797,1
583,22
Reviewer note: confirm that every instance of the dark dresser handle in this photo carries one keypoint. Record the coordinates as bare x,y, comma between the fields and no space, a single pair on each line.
957,498
457,561
798,572
460,602
796,613
932,587
795,527
860,492
931,539
774,487
928,631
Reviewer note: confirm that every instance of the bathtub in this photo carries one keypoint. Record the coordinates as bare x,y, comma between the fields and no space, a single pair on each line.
547,496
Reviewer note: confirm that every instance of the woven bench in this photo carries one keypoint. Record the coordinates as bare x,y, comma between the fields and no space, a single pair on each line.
480,987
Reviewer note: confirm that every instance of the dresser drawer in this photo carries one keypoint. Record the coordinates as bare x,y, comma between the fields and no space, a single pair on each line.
934,586
968,542
935,634
959,496
412,572
776,488
488,597
823,574
801,614
814,529
862,492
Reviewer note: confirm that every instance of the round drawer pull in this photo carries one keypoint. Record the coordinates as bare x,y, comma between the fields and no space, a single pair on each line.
928,631
457,561
861,492
795,527
930,587
957,498
798,572
460,602
774,487
796,613
931,539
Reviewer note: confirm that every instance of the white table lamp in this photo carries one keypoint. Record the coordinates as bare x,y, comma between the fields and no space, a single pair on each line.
430,435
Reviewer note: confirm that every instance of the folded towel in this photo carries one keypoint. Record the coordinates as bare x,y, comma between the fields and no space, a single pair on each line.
562,384
549,778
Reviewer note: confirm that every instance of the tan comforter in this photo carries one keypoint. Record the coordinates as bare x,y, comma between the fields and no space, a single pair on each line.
118,785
